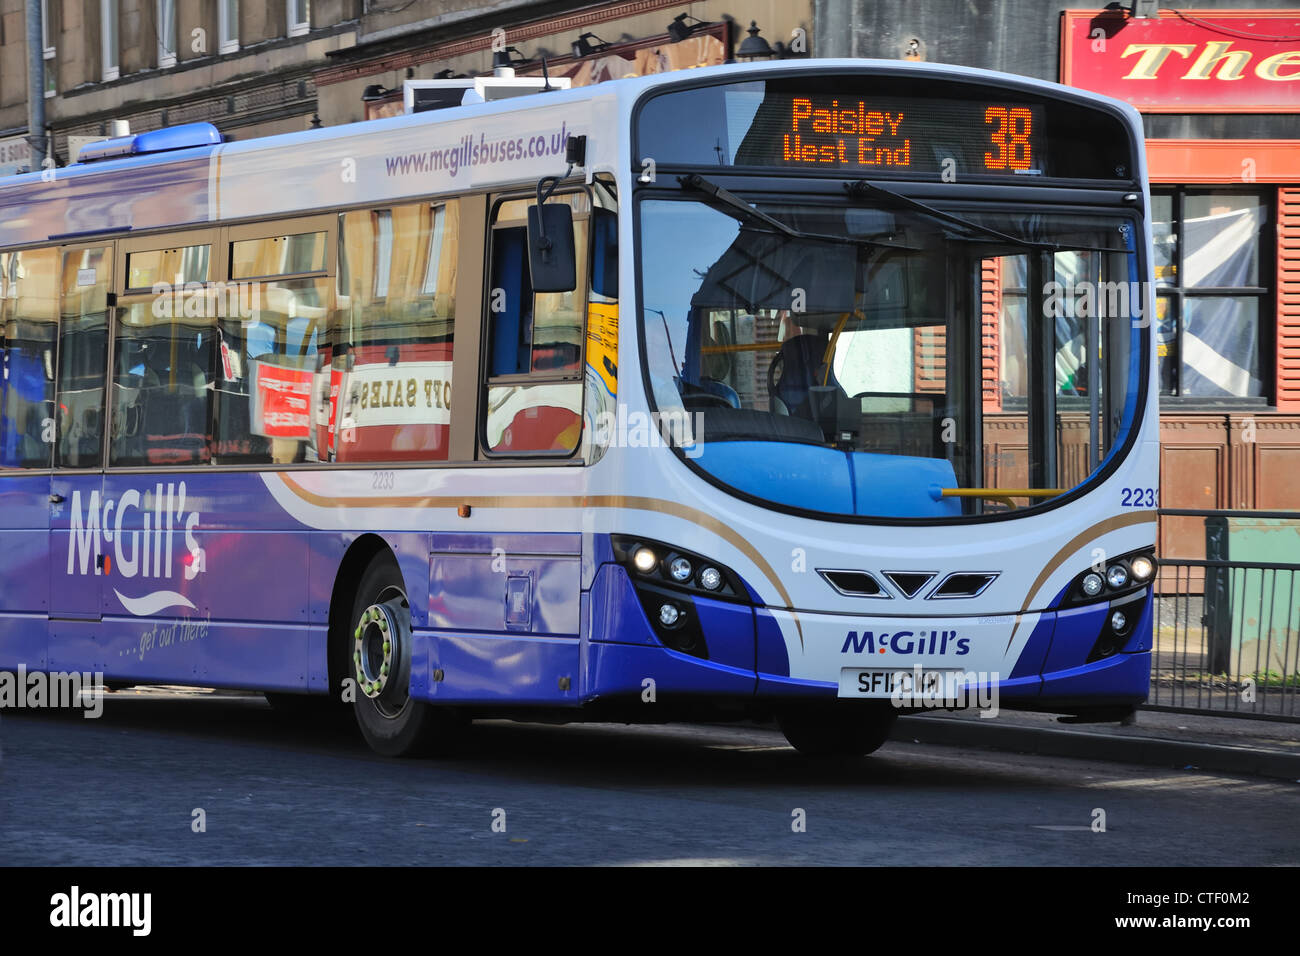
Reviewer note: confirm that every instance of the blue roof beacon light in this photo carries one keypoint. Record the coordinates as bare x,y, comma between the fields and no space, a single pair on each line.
186,136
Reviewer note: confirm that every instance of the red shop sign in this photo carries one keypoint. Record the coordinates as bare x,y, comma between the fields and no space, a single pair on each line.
1192,61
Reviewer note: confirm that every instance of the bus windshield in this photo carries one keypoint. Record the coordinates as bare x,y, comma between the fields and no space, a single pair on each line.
878,360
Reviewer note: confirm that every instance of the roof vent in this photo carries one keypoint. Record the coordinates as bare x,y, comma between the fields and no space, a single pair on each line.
421,96
187,136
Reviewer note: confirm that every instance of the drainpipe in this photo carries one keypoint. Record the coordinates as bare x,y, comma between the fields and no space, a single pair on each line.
35,85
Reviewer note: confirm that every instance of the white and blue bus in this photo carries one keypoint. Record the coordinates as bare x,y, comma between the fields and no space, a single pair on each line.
750,391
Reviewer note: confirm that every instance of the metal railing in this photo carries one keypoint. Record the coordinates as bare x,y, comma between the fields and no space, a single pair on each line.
1227,629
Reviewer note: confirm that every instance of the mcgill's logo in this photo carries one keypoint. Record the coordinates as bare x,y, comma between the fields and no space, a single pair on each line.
149,551
906,642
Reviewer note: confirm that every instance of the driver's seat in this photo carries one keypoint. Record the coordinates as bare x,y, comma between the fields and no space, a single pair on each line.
800,359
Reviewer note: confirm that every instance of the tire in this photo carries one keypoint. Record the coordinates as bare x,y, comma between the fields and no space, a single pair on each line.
391,722
839,730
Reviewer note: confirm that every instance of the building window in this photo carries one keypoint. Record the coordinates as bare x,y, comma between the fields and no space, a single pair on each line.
228,26
1213,308
48,51
299,18
46,32
108,36
166,33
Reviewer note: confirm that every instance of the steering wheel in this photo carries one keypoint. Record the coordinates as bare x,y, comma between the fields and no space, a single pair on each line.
706,398
775,369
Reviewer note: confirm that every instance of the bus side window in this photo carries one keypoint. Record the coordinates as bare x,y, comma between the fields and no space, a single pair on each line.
162,395
28,323
83,352
535,342
388,392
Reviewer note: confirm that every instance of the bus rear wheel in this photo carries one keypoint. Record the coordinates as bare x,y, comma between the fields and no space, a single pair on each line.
839,730
379,663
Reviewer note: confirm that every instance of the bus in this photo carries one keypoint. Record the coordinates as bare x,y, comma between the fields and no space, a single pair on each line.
815,391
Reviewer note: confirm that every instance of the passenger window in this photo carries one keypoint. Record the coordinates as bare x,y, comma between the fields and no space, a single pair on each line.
174,266
297,254
28,319
162,385
538,336
83,355
385,391
268,357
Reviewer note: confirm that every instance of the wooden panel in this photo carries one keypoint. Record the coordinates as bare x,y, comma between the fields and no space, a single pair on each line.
1278,468
1193,474
1006,451
1288,300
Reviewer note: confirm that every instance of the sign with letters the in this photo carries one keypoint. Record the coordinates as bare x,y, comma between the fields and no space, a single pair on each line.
1192,61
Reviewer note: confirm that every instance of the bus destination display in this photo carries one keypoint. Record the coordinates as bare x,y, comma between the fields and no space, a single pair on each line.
886,126
849,132
901,134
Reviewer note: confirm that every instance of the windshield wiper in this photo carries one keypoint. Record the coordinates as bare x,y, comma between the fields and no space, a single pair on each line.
861,188
748,210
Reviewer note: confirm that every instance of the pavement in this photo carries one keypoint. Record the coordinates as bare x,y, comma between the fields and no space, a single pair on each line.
1265,748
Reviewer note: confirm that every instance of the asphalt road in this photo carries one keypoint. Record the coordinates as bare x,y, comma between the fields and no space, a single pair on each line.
123,790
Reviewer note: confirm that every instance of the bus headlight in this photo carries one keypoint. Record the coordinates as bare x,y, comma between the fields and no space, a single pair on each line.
1142,568
1122,575
655,562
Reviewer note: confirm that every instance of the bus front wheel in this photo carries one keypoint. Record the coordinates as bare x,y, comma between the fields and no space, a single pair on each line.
842,729
379,664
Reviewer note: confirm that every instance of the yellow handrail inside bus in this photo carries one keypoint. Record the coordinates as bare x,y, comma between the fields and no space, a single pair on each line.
830,346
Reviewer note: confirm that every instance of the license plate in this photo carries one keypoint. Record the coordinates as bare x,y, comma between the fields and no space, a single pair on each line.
877,682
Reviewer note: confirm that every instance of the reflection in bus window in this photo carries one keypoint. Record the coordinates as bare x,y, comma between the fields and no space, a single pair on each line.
267,362
28,319
162,382
173,266
83,352
278,256
384,391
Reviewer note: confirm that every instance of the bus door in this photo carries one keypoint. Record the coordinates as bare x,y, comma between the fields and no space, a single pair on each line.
81,522
506,603
28,340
